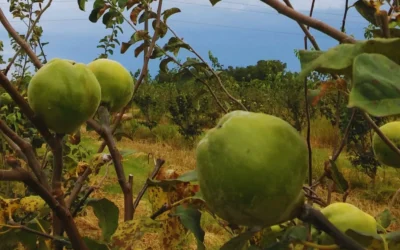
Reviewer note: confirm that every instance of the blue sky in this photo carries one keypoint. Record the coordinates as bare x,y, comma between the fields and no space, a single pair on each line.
239,33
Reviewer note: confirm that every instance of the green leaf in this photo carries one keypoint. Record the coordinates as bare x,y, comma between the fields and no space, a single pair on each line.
337,60
157,52
164,64
122,3
366,11
167,13
93,244
139,35
174,44
193,62
296,233
376,87
96,14
239,242
99,4
162,30
108,17
190,176
81,4
190,219
107,213
341,183
214,2
384,219
340,59
147,15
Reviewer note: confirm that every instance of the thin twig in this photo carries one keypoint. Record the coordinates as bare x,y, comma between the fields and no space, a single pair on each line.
77,187
304,29
375,127
30,230
158,164
28,33
105,132
212,71
27,149
345,136
14,146
20,174
24,45
346,9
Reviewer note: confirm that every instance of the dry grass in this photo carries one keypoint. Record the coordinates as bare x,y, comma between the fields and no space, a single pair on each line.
323,138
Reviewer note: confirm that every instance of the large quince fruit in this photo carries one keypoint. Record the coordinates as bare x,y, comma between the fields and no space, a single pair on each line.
346,216
65,94
251,169
116,83
382,151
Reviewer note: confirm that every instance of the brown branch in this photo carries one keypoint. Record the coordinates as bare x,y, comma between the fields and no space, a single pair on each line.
304,29
57,191
312,22
143,73
19,40
27,149
316,218
383,21
77,187
82,201
157,166
105,132
19,174
14,146
346,9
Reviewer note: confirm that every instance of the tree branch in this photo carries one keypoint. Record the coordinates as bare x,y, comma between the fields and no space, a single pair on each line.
105,132
19,40
14,146
19,174
212,71
26,148
312,22
157,166
77,187
29,32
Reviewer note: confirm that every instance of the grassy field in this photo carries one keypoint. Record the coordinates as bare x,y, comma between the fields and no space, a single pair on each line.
164,142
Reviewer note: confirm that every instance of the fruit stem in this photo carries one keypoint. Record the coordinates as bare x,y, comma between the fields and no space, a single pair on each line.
316,218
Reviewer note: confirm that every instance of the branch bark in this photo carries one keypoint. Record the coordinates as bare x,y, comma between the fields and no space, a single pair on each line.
26,148
19,174
309,21
105,132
